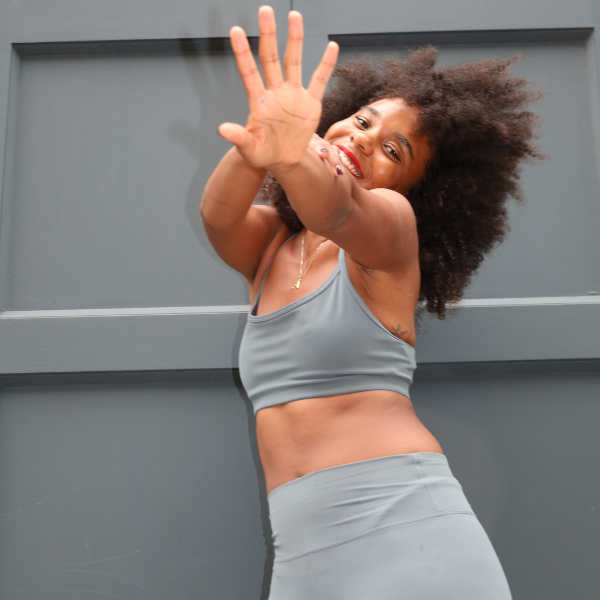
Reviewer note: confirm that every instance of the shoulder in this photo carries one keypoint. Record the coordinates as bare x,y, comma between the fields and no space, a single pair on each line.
398,205
243,243
381,232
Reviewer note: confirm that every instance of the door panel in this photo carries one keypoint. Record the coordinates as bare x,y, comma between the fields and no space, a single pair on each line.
384,16
553,245
525,448
112,154
134,491
118,487
128,458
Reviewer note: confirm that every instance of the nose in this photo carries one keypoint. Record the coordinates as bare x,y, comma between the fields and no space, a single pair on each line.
362,140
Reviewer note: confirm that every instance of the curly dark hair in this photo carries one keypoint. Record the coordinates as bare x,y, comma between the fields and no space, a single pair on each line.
476,119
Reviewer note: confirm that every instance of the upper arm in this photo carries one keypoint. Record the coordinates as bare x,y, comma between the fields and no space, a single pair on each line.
379,230
243,244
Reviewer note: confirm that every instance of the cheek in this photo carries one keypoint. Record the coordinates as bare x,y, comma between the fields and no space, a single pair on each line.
414,175
388,174
337,130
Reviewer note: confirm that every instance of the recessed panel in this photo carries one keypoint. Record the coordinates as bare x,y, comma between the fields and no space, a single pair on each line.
154,491
112,155
525,448
553,245
130,492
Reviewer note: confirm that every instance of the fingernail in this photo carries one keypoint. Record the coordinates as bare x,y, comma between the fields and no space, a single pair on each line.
339,170
324,150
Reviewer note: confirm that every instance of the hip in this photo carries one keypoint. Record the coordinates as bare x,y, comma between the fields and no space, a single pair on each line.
335,505
396,527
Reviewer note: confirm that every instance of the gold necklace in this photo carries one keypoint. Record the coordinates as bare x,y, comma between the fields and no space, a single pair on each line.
296,286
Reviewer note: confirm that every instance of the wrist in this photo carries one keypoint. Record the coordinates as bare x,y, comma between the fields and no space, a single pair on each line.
284,169
239,162
289,168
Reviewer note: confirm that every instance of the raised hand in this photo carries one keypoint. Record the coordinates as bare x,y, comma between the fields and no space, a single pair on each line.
283,115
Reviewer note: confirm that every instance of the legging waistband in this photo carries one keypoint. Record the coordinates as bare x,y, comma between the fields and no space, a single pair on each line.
341,503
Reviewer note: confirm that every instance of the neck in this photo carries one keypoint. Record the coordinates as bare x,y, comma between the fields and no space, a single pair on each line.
312,241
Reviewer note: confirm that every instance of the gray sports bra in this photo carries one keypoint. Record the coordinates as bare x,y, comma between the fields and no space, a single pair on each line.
323,344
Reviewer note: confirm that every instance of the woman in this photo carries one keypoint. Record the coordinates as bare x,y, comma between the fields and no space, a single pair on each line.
397,201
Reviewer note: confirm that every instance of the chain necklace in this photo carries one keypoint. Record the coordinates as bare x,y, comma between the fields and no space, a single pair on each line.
296,286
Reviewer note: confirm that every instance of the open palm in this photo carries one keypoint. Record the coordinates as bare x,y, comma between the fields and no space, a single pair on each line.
283,115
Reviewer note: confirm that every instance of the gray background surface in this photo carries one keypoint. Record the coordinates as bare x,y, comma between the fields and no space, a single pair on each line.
128,461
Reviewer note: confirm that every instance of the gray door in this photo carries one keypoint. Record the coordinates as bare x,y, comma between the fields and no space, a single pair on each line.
128,462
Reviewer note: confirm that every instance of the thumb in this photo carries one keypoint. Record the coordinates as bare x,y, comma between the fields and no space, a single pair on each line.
238,135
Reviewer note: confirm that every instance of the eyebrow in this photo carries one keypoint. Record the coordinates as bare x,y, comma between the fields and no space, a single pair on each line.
402,139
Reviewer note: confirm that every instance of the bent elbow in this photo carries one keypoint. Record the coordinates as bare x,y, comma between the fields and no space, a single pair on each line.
334,221
208,215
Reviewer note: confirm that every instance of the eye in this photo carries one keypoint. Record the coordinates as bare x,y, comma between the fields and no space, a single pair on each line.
393,152
362,122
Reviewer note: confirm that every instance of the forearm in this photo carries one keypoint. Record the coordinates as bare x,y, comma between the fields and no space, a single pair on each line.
230,191
321,200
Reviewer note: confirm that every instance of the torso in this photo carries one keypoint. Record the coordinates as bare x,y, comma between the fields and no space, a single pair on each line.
307,435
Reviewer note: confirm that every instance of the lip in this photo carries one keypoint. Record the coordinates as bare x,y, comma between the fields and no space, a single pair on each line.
351,157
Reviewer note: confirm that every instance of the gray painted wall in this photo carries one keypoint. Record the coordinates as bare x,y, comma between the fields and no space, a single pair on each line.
128,461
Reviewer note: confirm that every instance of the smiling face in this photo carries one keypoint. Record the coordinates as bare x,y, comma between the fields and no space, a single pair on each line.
379,147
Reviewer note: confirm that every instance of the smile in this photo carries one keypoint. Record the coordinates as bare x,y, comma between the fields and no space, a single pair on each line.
349,163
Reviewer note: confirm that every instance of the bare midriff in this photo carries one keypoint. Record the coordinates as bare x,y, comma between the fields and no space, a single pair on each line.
303,436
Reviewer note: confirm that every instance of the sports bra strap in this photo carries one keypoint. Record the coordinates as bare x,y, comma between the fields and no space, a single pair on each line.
255,305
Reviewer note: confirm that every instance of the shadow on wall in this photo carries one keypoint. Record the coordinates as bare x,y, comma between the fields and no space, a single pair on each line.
218,89
264,506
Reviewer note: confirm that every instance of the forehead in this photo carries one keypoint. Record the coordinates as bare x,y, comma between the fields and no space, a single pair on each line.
396,113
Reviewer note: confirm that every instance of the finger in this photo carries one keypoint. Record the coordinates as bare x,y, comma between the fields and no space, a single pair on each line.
322,153
267,47
331,161
318,81
293,52
238,135
333,157
335,162
328,154
245,62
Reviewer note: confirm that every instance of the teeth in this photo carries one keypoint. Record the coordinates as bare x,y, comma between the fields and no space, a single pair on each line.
349,164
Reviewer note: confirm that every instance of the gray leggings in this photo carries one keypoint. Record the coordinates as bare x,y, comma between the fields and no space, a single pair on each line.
391,528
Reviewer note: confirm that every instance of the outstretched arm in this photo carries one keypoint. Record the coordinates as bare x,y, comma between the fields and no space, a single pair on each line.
376,227
283,118
238,230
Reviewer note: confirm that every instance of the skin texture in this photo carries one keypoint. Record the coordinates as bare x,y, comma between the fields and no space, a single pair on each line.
386,162
343,211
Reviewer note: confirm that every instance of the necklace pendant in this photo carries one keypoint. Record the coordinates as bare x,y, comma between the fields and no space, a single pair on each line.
297,284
